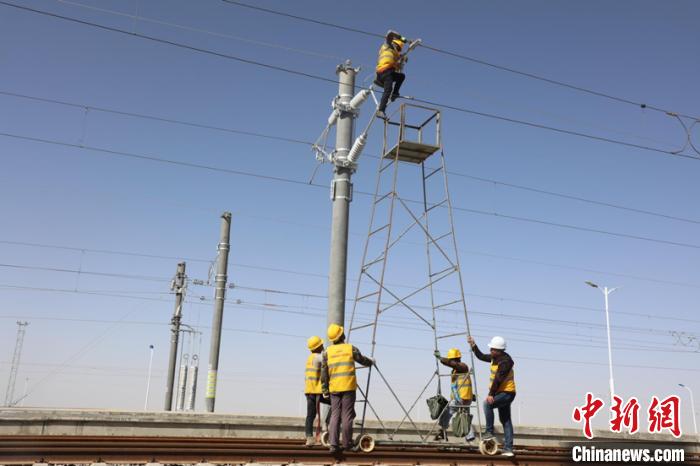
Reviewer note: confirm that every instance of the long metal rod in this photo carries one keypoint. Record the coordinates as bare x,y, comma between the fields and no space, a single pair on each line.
430,274
217,320
461,284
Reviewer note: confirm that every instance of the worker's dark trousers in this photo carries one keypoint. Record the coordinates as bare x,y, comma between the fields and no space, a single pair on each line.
391,81
502,402
312,402
342,416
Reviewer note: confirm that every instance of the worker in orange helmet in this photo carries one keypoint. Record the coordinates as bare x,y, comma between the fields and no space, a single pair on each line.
389,64
312,388
339,383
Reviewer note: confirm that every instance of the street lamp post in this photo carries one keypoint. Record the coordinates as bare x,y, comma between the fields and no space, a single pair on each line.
148,378
692,406
606,292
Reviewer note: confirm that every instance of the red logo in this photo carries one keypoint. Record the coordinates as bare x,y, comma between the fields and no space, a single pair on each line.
586,412
665,415
627,416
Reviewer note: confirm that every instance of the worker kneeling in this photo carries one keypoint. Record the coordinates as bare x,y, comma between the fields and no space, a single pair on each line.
460,393
338,381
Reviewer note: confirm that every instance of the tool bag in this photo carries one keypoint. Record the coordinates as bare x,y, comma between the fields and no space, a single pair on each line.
461,422
436,404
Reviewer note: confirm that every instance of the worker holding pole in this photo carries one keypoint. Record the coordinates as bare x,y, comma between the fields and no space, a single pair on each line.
460,392
339,382
312,388
501,389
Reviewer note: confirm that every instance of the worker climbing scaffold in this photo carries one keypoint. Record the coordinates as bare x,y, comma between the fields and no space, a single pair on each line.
389,69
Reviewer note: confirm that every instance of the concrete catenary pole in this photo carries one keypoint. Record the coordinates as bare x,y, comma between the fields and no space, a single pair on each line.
220,295
341,195
179,287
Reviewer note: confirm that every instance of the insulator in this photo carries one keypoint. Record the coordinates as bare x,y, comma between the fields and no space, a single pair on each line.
357,148
359,99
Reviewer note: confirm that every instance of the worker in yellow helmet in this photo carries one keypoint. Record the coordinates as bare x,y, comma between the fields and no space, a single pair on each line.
338,381
461,394
389,64
312,388
501,389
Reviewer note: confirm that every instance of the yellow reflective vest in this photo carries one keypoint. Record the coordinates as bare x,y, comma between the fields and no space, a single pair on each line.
461,385
312,380
508,385
388,58
341,368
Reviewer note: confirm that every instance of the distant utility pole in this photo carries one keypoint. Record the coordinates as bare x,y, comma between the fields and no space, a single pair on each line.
178,286
10,393
220,295
341,194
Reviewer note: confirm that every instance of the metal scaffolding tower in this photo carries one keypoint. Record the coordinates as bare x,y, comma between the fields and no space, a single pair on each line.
10,393
418,149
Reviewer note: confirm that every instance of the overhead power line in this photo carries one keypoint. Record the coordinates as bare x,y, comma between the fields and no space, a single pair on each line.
310,143
324,79
465,58
302,294
162,160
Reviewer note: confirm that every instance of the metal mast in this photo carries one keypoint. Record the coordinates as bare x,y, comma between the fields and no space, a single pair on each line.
220,295
9,395
341,194
179,287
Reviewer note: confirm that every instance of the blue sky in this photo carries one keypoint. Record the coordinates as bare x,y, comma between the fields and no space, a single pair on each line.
87,200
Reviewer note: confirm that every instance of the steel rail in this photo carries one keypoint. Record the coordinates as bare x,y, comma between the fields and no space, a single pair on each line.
20,450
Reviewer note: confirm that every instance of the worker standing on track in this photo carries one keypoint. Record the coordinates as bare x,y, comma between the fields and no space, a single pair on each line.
338,381
501,391
312,388
389,75
460,391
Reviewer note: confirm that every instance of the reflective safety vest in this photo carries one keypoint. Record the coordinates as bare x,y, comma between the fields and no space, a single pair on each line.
508,385
341,368
388,58
461,386
312,381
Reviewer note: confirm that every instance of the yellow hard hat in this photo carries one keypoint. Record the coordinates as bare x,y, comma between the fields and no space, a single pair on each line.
454,353
335,331
314,343
398,43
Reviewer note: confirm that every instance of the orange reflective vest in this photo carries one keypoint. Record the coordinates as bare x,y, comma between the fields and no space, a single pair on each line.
388,58
508,385
312,379
341,368
461,385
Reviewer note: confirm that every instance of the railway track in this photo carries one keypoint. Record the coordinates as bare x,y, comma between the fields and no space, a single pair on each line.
21,450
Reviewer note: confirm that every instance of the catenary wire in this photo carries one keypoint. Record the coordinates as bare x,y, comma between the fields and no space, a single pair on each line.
157,159
310,143
461,57
321,78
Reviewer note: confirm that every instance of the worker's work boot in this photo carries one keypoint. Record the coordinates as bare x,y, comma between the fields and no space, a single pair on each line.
442,435
310,442
381,114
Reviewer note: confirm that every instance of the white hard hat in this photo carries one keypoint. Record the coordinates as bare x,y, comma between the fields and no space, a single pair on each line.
497,343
